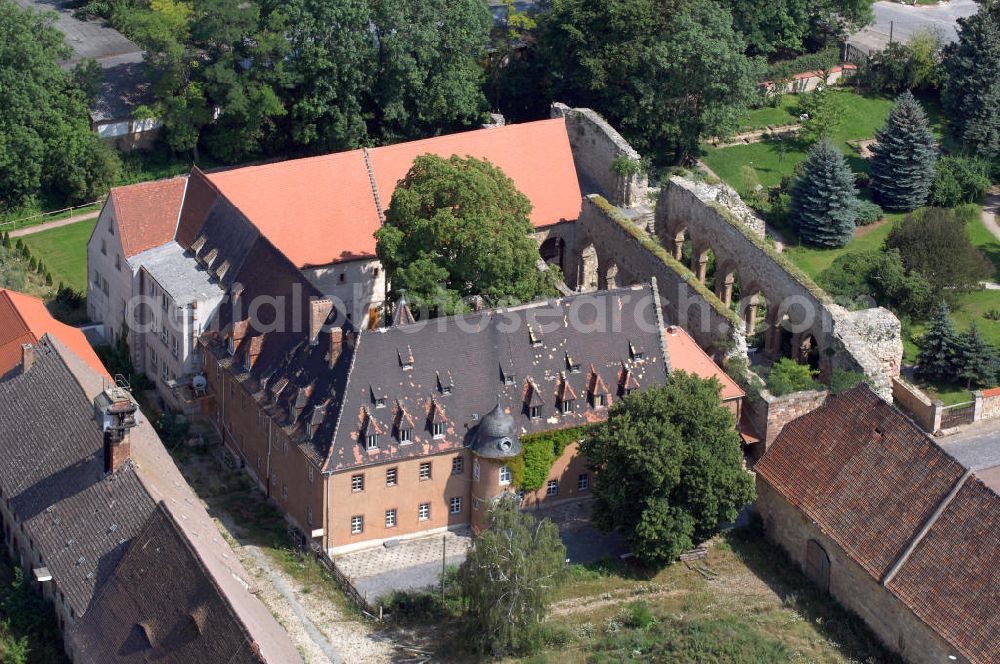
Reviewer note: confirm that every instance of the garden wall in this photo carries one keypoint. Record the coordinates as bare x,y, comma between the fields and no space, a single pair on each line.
769,414
923,411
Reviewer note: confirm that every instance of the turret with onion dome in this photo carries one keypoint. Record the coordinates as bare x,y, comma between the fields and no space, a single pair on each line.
495,441
496,436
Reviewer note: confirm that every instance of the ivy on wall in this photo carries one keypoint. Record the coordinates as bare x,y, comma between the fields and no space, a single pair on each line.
539,451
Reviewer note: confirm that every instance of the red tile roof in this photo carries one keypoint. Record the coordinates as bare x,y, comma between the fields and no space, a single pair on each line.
147,213
863,472
951,581
686,355
25,320
322,210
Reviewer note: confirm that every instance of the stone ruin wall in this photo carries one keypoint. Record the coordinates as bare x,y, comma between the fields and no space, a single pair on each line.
596,145
868,340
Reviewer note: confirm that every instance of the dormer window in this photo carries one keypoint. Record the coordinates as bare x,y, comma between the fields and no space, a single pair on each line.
378,396
247,362
405,435
508,377
371,442
230,346
636,352
406,358
567,406
600,401
445,383
535,412
571,364
380,402
438,430
534,337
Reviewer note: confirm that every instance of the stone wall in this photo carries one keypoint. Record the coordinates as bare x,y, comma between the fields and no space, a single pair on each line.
923,411
596,146
988,407
769,414
637,257
712,217
891,621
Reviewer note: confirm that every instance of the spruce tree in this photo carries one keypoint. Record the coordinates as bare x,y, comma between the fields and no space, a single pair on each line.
824,200
977,359
936,360
903,157
971,94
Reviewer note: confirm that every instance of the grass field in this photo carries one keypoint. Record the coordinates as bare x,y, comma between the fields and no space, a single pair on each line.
860,117
64,253
746,603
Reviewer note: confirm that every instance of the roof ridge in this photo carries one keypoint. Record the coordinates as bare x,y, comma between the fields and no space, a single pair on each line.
374,184
922,533
343,403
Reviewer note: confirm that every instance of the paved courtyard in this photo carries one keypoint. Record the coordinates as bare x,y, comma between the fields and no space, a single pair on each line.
416,564
977,447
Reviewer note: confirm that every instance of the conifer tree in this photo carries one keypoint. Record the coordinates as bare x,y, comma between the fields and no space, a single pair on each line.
977,359
936,360
824,200
972,84
903,157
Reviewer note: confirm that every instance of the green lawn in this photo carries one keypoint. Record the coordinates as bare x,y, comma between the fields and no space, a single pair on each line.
860,117
762,118
64,252
813,261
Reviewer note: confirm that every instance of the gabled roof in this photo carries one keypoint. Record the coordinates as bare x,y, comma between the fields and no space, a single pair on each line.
161,604
25,320
686,355
147,213
322,210
900,507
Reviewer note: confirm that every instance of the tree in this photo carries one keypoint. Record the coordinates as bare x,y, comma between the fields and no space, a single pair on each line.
787,376
971,93
958,180
456,228
914,65
782,26
429,74
976,358
45,135
665,73
935,243
669,468
936,360
509,578
822,116
824,200
903,157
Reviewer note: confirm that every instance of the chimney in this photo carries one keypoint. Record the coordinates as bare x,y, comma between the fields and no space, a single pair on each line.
27,357
319,311
336,345
117,413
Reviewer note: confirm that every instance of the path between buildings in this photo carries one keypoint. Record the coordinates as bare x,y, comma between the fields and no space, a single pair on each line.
31,230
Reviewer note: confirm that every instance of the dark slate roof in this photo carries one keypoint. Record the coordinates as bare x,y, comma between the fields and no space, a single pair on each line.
161,604
126,85
865,473
52,474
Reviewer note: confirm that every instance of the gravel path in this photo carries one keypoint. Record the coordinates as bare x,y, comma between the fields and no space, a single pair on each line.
31,230
989,214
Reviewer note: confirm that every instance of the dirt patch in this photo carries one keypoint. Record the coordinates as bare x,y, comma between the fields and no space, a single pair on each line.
861,231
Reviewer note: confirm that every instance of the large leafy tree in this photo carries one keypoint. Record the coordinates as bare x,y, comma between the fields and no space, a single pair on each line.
669,468
429,73
779,26
665,72
903,157
937,357
824,200
935,243
457,228
509,578
45,135
971,93
332,63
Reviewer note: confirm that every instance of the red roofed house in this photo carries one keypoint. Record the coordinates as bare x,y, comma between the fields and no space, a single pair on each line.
25,320
890,524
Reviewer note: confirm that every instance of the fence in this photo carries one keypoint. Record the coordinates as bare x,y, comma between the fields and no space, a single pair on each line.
374,612
958,415
42,217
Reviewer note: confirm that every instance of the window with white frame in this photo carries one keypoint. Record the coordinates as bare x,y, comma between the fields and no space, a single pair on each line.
357,525
567,405
423,511
505,476
390,518
457,465
371,442
391,476
357,483
535,412
405,435
552,489
425,470
583,482
438,430
455,505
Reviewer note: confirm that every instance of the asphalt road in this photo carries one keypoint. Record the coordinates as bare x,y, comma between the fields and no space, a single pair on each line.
905,20
976,447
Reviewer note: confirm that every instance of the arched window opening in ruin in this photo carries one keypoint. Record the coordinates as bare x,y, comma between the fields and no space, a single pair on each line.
611,276
587,279
553,252
807,350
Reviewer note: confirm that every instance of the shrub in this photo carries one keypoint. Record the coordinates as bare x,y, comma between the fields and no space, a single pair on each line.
868,213
639,616
842,380
407,606
959,180
787,376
